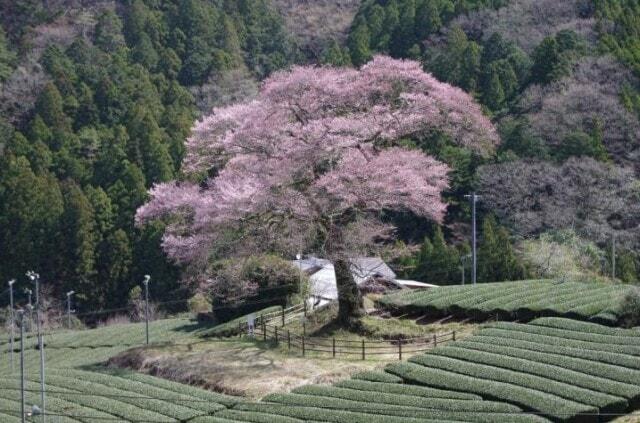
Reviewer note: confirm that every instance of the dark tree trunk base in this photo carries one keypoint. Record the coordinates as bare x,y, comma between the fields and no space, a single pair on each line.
350,305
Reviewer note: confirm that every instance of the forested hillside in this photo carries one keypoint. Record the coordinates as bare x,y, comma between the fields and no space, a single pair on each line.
560,79
97,98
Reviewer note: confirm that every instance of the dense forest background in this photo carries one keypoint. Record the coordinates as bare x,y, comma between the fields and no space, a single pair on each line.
97,98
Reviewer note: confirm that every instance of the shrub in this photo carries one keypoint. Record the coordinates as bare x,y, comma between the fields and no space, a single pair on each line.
373,376
245,285
447,404
630,308
199,304
405,389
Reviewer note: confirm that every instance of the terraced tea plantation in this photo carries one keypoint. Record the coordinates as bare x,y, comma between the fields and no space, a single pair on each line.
521,300
550,370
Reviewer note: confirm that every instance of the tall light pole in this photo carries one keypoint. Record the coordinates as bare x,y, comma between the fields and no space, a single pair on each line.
12,317
69,294
473,198
35,278
146,304
22,410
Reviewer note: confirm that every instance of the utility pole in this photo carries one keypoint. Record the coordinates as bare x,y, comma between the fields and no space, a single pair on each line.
146,306
613,256
474,256
36,279
13,319
69,294
21,315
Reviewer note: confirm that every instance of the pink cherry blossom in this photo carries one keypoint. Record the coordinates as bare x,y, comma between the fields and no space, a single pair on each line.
318,146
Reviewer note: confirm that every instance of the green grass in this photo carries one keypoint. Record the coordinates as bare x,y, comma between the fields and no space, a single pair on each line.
522,300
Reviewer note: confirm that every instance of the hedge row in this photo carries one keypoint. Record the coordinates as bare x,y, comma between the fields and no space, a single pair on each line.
373,376
555,346
568,334
374,408
329,415
524,299
579,326
604,402
608,395
128,408
560,409
593,367
134,388
404,389
444,404
255,417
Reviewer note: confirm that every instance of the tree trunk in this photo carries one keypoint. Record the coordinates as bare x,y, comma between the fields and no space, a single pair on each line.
350,305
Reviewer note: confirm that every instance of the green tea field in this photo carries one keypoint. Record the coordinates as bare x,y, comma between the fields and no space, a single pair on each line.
521,300
550,370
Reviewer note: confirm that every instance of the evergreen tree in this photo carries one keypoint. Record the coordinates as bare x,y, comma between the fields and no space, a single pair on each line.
335,55
30,208
115,261
404,36
428,20
7,57
359,44
50,108
547,62
108,33
79,240
497,260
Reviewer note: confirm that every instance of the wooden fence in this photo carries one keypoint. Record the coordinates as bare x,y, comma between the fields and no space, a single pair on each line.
270,327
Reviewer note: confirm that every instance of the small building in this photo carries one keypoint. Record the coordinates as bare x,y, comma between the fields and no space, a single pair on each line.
371,274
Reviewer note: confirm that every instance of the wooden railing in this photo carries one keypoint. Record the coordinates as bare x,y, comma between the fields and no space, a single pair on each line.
271,327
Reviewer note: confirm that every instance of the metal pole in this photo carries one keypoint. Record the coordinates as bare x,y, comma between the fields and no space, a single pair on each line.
29,293
146,306
22,410
12,317
69,294
474,257
613,257
36,278
475,262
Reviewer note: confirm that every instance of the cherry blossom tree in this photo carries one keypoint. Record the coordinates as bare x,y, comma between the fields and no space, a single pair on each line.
311,163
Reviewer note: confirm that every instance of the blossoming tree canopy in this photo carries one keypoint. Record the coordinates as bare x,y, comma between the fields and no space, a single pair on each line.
317,155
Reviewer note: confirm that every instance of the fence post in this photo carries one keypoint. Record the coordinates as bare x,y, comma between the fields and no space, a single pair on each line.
282,316
435,340
264,330
363,349
334,347
303,351
305,308
454,336
304,328
239,329
400,349
276,334
288,340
